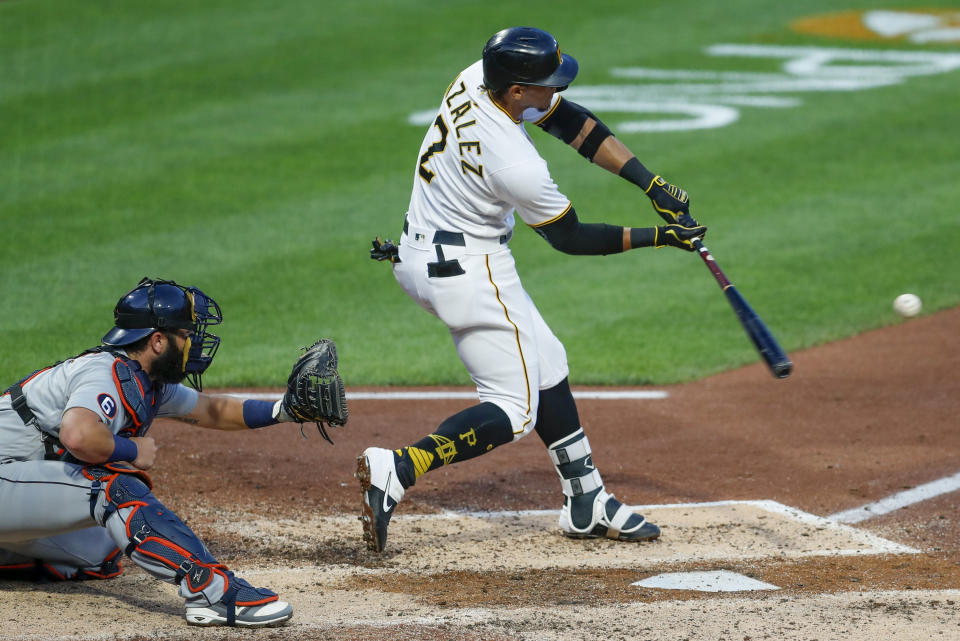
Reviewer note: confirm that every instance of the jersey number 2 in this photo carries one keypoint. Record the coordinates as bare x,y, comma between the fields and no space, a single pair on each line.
435,148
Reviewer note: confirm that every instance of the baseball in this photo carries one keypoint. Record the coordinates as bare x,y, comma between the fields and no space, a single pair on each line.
907,305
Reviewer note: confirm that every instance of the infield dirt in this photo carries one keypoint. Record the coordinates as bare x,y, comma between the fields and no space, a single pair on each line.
859,420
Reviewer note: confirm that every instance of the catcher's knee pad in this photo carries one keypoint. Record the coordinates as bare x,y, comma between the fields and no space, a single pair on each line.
109,568
158,541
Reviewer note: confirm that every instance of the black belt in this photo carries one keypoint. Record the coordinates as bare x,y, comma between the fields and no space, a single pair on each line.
19,403
51,445
441,237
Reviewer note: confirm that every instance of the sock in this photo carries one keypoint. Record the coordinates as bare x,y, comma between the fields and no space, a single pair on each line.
557,416
472,432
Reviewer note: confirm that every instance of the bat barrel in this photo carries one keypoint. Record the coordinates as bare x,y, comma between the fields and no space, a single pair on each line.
770,351
758,332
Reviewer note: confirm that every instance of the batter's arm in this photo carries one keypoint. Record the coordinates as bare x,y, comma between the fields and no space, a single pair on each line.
567,234
581,129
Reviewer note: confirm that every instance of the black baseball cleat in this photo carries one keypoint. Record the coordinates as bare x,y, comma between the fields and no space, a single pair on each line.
377,473
611,519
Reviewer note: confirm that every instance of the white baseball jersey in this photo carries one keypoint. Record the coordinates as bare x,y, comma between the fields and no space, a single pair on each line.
477,165
86,381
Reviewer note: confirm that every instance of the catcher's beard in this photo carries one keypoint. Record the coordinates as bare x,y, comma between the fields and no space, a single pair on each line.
169,366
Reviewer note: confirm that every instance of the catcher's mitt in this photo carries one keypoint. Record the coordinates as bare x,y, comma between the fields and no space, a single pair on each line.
315,392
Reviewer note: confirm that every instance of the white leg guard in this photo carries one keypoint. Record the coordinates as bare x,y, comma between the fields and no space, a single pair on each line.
588,510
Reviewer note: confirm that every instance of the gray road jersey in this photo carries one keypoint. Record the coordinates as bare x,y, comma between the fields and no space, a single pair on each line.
85,381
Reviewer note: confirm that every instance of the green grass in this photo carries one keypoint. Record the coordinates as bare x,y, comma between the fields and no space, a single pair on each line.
253,149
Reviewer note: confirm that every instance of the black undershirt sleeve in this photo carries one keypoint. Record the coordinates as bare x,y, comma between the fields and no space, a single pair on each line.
566,121
569,235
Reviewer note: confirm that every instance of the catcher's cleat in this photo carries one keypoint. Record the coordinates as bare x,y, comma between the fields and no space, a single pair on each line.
611,519
268,615
377,473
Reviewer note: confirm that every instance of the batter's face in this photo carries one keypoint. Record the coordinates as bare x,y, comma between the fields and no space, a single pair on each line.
538,97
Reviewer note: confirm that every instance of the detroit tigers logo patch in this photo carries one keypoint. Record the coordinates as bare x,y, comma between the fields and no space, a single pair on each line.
108,405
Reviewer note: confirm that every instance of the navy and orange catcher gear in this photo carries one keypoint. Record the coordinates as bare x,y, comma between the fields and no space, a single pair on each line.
162,305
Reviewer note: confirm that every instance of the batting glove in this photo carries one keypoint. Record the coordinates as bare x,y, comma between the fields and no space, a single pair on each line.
678,236
671,202
385,250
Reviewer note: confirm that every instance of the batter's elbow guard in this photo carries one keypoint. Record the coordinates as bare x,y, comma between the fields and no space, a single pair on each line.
565,120
591,144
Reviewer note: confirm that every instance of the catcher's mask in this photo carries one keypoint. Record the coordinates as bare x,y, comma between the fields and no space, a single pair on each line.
155,305
526,56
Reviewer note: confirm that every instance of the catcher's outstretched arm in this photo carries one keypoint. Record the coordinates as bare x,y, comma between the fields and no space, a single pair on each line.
222,412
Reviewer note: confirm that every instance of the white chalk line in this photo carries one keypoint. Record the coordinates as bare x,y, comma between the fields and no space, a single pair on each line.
425,395
873,544
878,544
899,500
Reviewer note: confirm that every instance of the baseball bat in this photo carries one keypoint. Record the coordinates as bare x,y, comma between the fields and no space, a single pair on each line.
770,350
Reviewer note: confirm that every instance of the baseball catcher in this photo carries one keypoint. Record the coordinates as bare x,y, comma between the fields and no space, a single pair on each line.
75,450
315,392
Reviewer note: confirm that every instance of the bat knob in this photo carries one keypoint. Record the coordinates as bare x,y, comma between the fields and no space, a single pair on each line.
783,369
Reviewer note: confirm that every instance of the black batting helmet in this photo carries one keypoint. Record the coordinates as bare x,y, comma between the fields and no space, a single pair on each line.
526,56
155,305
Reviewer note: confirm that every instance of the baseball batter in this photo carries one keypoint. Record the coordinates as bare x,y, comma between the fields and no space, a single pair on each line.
74,493
476,171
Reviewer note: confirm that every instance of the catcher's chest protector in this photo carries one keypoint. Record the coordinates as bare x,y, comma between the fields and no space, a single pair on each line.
138,395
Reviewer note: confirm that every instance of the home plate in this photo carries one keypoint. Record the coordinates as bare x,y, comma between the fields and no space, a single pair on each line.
712,581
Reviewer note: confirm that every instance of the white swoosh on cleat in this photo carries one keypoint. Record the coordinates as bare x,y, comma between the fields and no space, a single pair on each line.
386,494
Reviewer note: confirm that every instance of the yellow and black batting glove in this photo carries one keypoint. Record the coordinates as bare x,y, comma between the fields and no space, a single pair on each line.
678,236
671,202
385,250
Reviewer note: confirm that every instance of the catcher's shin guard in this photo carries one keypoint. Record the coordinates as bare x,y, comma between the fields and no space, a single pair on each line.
588,510
158,541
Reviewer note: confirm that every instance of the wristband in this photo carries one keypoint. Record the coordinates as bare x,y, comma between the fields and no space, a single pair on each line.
634,171
258,413
123,450
642,237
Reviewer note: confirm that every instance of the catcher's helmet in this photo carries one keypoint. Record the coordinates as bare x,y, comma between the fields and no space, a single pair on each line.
155,305
526,56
